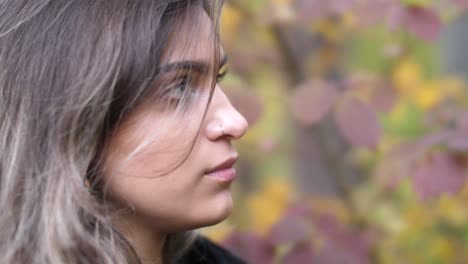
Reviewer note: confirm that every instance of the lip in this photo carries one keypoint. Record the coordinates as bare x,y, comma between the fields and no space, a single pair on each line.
224,171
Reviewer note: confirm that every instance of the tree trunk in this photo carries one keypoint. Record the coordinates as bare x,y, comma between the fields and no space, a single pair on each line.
320,152
454,48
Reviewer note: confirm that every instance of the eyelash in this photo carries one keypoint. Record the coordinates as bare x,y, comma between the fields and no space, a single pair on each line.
221,75
174,93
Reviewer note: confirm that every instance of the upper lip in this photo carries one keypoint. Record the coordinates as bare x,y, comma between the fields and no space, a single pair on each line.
226,164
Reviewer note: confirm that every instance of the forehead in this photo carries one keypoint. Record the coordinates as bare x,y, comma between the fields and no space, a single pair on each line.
192,40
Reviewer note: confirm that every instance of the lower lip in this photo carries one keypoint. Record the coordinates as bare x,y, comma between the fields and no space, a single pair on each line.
224,175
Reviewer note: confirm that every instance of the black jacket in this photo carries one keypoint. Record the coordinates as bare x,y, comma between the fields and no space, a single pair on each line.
203,251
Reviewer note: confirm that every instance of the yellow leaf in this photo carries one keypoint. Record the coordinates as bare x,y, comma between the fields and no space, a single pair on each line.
330,30
386,216
327,206
452,209
282,2
230,21
463,195
427,95
418,218
407,77
443,248
278,189
349,20
267,205
452,87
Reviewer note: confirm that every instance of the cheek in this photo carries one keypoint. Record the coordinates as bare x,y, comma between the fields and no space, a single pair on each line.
156,198
181,200
153,195
147,145
139,173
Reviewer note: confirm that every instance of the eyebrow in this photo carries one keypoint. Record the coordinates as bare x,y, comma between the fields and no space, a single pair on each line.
198,66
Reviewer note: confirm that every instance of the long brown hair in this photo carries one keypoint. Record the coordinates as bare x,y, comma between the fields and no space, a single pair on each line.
70,72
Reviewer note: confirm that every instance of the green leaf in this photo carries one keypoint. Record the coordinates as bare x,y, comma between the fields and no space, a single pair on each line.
423,3
406,123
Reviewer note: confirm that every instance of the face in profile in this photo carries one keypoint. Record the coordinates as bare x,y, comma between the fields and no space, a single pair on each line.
141,153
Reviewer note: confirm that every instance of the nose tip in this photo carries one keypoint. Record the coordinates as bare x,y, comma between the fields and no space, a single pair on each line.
225,120
238,125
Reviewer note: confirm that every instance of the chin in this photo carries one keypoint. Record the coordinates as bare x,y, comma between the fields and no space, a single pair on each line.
218,211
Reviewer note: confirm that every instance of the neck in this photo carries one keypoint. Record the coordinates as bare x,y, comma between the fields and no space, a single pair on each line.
147,242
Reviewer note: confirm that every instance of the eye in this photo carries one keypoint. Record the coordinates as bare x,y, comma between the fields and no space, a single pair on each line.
177,90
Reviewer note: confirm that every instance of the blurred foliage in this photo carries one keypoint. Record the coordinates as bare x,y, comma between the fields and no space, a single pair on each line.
371,68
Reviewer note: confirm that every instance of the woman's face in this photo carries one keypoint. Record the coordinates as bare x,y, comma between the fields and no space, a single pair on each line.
188,196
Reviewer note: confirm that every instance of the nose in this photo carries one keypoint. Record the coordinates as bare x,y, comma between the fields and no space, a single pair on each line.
224,120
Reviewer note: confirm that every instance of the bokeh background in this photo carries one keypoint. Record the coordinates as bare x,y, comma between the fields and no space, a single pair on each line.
358,141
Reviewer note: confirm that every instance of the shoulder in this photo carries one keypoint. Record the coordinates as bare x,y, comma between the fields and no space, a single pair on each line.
206,252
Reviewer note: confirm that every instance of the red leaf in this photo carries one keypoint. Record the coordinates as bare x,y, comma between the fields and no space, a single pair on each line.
434,139
462,3
455,140
312,9
462,120
341,245
248,104
331,253
267,144
341,6
423,22
312,101
290,229
243,63
395,17
250,248
398,163
439,173
299,209
371,12
383,98
458,141
358,122
301,253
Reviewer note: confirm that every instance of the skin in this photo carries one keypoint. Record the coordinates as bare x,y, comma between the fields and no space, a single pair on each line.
185,198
